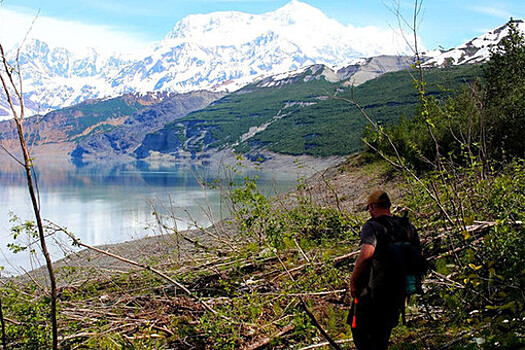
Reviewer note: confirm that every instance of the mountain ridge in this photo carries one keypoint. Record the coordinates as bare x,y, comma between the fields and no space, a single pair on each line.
249,48
220,51
103,127
474,51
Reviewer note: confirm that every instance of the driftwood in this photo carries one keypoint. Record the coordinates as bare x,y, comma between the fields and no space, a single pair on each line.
320,345
134,263
318,325
310,314
313,294
462,336
456,250
479,227
267,340
134,314
343,258
12,321
78,335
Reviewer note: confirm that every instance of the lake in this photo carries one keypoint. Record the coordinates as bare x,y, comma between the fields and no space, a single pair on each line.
111,204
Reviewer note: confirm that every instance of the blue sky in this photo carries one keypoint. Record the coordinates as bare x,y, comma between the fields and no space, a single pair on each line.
122,24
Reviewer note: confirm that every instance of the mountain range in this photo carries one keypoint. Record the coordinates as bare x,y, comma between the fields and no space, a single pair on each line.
474,51
206,88
221,51
293,114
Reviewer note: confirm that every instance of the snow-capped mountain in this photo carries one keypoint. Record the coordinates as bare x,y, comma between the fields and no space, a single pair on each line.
227,50
220,51
474,51
57,77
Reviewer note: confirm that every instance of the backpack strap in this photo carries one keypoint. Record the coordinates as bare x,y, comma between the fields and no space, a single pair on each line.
398,229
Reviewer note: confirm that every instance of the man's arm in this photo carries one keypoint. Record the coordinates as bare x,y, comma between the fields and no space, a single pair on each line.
361,265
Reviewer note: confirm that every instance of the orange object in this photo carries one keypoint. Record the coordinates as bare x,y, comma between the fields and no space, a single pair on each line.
354,322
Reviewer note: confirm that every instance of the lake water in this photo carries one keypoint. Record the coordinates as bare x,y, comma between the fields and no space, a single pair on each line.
111,204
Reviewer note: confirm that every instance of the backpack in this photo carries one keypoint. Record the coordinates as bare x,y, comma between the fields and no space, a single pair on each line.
398,265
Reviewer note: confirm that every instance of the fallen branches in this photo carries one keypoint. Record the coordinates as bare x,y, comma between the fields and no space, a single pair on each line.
318,325
267,340
309,313
134,263
312,294
78,335
343,258
320,345
479,227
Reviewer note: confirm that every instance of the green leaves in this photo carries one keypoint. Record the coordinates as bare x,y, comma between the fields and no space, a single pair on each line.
258,217
505,89
21,229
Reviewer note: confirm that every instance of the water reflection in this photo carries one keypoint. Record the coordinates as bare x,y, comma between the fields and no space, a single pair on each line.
104,204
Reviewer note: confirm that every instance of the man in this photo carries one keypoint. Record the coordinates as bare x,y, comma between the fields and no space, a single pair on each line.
377,289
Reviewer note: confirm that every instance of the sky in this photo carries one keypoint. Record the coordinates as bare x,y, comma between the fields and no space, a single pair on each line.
128,26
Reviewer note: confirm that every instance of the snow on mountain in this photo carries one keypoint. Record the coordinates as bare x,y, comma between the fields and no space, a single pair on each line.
57,77
297,24
474,51
226,50
221,51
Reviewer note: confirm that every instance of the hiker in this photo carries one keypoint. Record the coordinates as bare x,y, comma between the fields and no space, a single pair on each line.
378,284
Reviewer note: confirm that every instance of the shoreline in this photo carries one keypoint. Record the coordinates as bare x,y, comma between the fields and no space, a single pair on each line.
154,246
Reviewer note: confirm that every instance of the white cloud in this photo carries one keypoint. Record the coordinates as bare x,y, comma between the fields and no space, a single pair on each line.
492,11
14,25
384,41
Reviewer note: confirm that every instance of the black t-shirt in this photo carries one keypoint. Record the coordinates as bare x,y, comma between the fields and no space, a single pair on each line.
369,233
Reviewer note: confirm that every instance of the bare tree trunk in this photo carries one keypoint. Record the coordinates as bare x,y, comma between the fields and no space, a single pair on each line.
34,200
2,321
9,85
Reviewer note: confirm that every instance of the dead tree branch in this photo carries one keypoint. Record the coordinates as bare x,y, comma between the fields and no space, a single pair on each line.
76,241
10,88
312,317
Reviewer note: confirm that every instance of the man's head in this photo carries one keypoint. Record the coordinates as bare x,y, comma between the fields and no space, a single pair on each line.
378,203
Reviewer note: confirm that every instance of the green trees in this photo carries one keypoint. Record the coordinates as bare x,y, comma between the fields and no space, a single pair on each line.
504,100
484,121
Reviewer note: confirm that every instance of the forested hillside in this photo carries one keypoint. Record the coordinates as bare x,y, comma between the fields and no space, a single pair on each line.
104,129
306,114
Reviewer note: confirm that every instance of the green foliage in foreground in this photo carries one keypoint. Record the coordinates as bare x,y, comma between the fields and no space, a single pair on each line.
263,221
250,290
473,296
457,175
33,330
484,277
